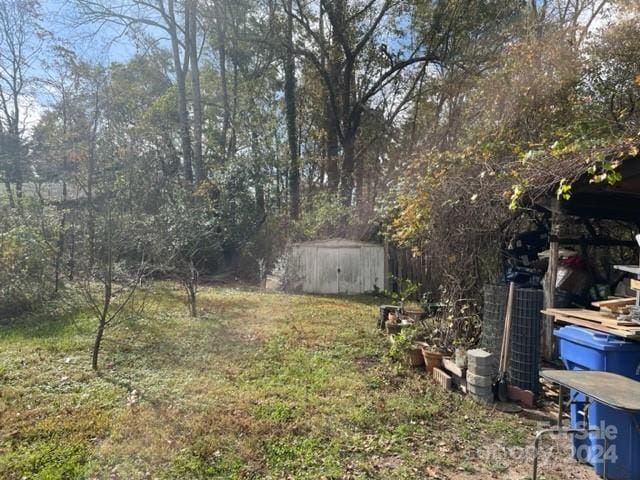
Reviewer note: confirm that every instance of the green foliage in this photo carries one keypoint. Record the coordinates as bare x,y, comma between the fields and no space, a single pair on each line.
26,270
200,466
605,171
564,190
310,456
323,215
402,343
45,460
406,289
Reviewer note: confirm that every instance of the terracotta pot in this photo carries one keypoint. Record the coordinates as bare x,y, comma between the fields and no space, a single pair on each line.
432,359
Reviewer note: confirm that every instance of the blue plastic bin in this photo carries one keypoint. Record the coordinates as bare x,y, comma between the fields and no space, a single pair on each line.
585,349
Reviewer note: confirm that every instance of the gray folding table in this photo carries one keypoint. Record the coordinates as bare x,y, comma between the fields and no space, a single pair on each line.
609,389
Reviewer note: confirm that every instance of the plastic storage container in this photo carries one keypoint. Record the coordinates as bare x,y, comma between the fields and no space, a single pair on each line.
585,349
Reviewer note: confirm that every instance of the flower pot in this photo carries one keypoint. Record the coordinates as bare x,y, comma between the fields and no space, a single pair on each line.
432,359
414,315
414,357
394,327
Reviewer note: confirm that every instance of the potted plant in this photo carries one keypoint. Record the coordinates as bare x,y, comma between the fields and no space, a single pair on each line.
434,342
406,348
454,327
406,288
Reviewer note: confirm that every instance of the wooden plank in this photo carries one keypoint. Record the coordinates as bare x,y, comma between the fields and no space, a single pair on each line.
621,326
615,302
623,331
635,285
582,313
590,315
630,335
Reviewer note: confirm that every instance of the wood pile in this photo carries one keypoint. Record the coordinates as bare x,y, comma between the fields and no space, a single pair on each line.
612,317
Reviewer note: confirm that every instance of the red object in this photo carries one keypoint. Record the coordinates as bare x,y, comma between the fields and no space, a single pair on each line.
575,261
525,397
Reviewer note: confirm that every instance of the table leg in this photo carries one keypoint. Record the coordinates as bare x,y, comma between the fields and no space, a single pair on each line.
536,448
560,404
604,456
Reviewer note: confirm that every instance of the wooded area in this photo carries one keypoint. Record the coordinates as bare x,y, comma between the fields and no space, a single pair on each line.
235,128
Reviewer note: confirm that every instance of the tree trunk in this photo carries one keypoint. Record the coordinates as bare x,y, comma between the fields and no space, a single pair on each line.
290,104
333,150
61,237
191,297
331,112
360,187
104,314
7,186
97,342
191,285
198,161
183,114
224,89
91,167
72,248
348,164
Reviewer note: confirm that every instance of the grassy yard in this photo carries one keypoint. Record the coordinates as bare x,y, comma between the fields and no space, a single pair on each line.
262,385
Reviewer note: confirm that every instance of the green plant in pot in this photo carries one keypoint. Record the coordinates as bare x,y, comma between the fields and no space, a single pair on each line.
405,348
433,335
456,325
406,288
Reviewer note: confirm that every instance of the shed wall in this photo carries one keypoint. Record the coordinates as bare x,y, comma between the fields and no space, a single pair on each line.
340,267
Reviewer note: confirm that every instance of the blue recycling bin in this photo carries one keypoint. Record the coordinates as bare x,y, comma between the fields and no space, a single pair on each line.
585,349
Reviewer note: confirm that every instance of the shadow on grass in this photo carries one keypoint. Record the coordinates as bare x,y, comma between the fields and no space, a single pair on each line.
58,323
360,298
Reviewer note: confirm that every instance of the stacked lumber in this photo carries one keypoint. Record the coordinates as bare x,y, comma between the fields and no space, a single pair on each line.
615,305
602,321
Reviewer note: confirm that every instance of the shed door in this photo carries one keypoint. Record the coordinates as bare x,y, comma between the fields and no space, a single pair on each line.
349,270
326,270
372,268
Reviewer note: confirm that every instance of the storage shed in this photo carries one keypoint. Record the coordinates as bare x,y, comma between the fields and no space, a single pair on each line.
338,266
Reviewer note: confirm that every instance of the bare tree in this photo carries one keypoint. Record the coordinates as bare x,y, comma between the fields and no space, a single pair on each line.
108,286
20,43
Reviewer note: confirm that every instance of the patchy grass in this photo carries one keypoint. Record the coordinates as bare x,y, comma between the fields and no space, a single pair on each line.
261,385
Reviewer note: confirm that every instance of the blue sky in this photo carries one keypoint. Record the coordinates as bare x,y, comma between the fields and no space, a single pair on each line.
90,41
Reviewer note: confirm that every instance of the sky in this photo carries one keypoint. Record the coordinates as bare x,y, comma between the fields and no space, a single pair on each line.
92,42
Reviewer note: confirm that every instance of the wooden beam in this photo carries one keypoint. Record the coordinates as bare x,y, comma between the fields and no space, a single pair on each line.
615,303
598,242
548,343
620,332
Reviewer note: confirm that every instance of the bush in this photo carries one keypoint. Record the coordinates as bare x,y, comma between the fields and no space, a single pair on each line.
26,271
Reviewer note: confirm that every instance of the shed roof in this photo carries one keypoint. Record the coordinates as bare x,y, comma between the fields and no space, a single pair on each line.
336,243
620,201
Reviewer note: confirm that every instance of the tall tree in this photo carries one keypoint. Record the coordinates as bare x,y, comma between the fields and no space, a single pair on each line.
290,104
192,38
368,61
